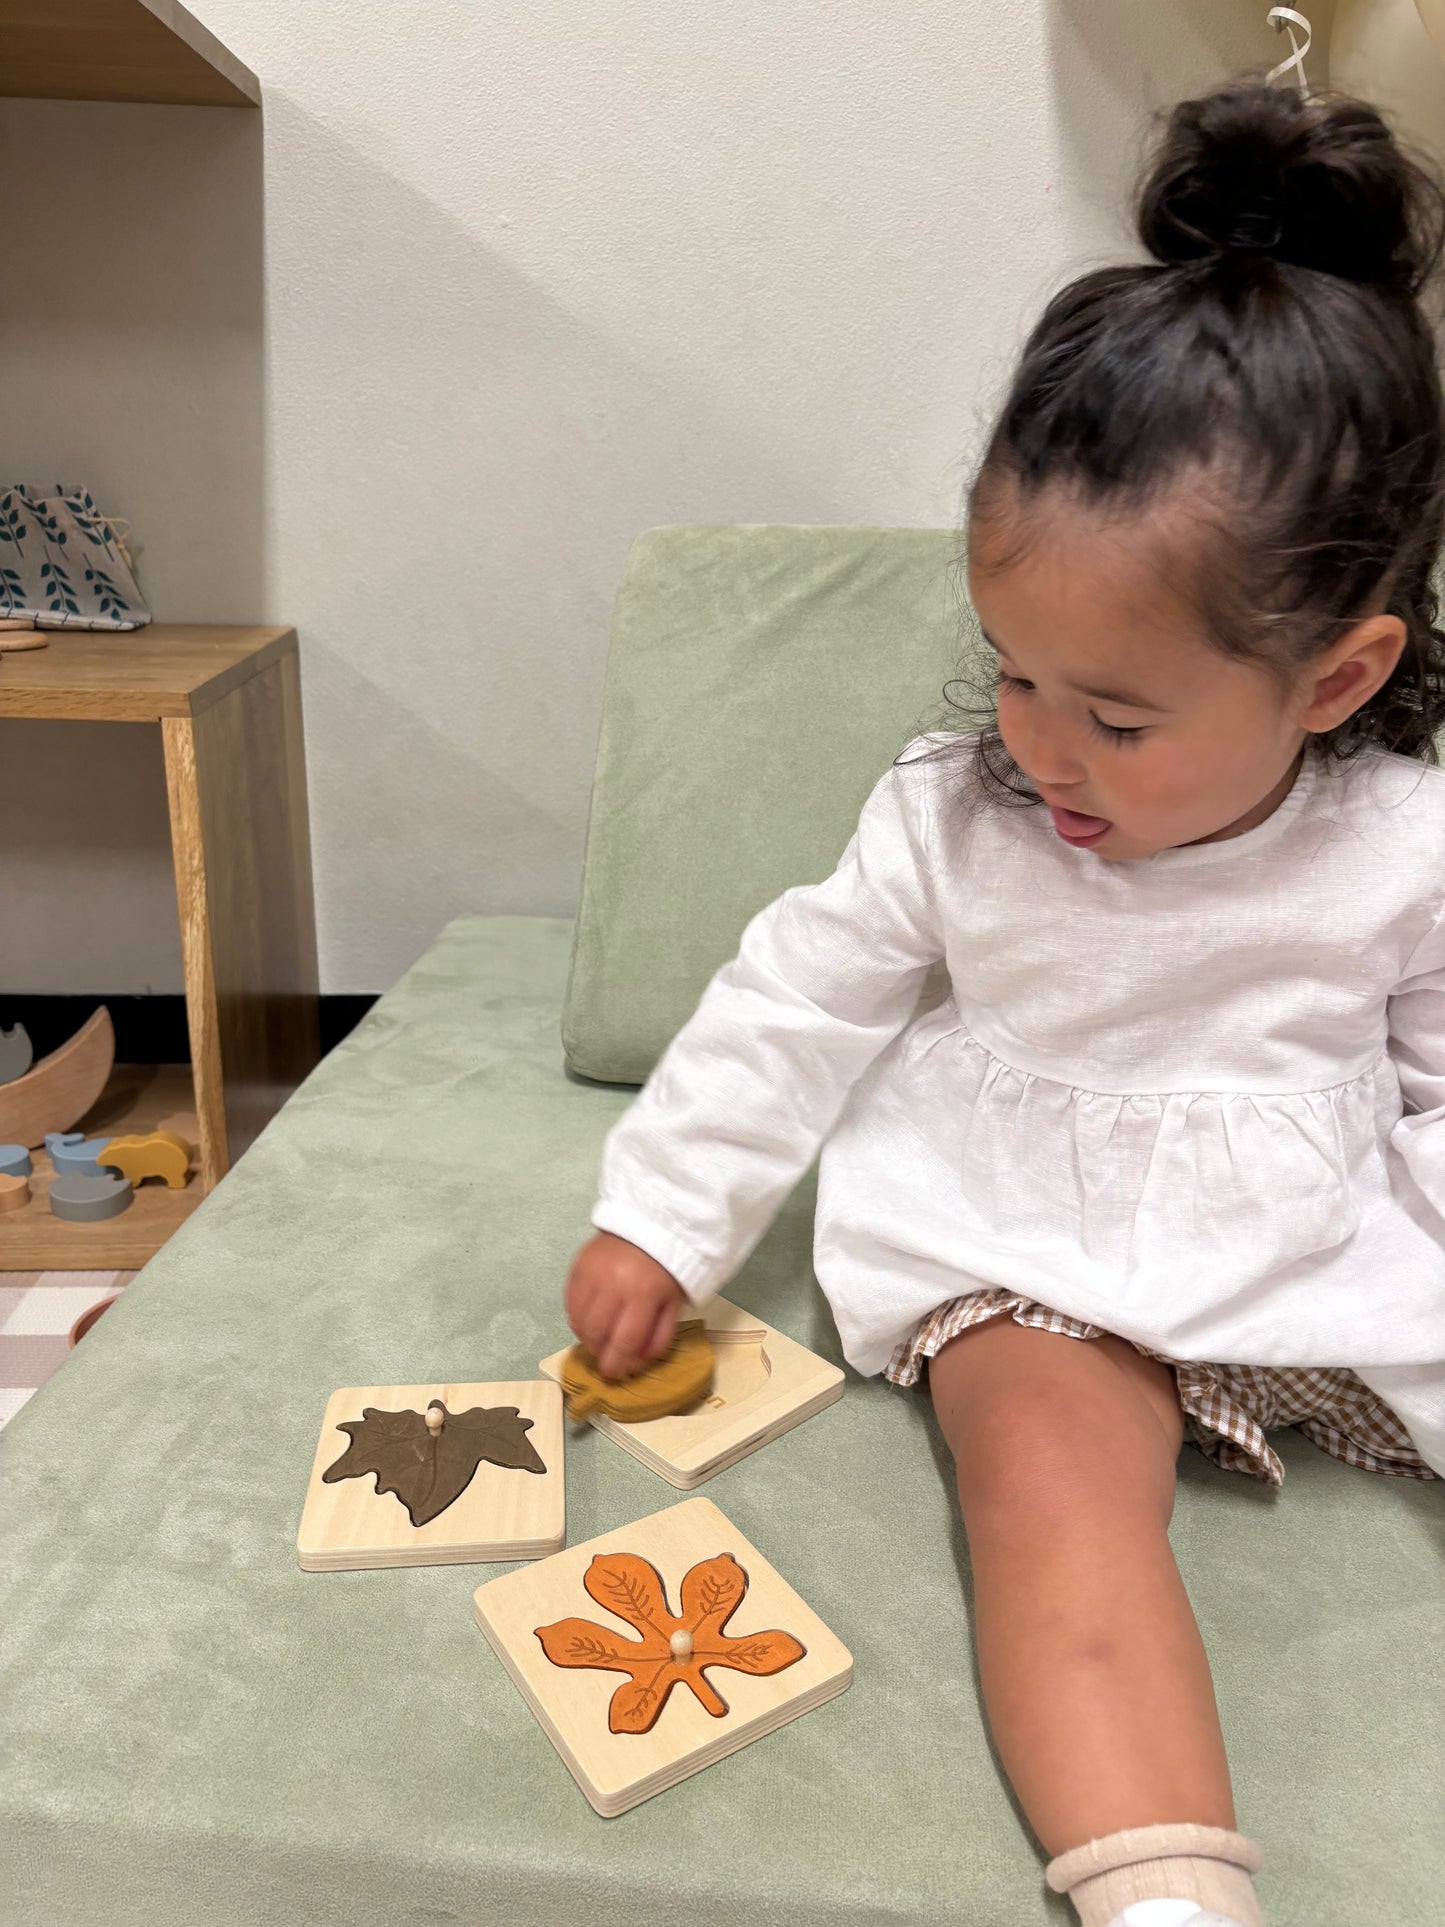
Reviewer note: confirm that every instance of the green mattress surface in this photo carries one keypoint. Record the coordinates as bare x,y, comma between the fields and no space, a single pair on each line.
196,1732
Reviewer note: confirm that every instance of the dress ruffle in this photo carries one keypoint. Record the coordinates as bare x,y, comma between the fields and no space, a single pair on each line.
1144,1184
1206,1224
1227,1408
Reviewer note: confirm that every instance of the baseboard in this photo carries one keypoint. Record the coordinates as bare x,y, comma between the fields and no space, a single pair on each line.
149,1030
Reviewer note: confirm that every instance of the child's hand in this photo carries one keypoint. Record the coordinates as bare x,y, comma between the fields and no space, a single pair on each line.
622,1304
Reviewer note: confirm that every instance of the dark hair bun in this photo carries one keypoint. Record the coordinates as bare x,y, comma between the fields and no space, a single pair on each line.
1256,169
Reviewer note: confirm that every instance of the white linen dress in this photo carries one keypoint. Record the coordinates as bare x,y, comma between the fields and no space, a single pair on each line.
1197,1100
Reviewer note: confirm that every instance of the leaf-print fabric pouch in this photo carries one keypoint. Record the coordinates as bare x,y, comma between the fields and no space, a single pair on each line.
61,565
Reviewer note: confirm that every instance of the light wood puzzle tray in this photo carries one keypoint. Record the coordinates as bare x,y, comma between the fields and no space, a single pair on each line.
504,1513
619,1770
765,1384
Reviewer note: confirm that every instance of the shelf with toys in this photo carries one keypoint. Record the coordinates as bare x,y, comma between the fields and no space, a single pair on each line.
227,702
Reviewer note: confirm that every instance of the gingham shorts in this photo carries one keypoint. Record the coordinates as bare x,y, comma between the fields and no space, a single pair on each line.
1227,1408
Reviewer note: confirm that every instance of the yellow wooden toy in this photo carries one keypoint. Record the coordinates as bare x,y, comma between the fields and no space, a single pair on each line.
158,1154
764,1383
669,1384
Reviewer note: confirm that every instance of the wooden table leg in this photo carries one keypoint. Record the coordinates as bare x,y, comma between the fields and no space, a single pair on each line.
236,779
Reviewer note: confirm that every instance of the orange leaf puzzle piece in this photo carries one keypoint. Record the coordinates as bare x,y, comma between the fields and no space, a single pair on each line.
673,1648
157,1154
679,1378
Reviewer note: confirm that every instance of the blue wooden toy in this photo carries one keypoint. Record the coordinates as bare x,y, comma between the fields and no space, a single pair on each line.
72,1153
87,1200
14,1161
15,1054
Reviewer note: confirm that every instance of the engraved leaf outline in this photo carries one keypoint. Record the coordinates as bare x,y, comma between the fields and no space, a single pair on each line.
629,1586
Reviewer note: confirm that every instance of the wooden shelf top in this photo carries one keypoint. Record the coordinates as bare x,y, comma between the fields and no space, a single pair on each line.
136,675
138,50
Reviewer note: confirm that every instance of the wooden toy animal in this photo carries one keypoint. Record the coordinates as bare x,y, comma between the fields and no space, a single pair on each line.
156,1154
60,1088
15,1054
14,1194
88,1200
72,1151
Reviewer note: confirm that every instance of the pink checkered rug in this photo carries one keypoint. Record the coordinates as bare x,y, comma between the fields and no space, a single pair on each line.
37,1310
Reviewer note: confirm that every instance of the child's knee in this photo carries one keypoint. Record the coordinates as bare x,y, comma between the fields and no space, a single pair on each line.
1039,1469
1050,1439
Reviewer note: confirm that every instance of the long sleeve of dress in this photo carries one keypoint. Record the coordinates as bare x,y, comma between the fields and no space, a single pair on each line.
1417,1046
1416,1392
825,976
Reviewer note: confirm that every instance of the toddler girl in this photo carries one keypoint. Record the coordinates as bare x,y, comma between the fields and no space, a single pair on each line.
1169,1162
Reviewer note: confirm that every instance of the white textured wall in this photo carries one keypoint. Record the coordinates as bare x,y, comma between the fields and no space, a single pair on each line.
491,286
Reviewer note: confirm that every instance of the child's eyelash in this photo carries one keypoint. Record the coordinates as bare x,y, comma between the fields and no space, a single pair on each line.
1115,735
1109,731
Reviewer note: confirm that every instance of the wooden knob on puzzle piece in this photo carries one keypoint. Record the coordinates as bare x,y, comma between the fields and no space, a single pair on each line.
435,1416
681,1643
672,1383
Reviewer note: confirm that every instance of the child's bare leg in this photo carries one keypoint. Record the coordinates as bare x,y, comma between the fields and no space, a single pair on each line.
1094,1674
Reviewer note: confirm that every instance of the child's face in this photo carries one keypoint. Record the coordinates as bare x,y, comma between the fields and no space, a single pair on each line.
1113,704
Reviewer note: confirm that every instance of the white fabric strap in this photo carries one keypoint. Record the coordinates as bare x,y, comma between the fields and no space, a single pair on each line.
1285,20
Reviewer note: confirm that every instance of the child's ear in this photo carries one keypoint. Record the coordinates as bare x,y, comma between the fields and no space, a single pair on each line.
1350,671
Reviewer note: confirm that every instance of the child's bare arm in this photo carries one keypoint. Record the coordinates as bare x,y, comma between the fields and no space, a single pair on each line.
622,1304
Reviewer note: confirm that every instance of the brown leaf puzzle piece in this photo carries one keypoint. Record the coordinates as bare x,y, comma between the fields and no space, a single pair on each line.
672,1383
428,1470
674,1648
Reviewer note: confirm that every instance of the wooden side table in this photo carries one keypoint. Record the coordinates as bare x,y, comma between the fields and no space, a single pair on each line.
228,702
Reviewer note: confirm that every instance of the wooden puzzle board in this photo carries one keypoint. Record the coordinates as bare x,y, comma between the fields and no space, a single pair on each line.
619,1770
504,1513
765,1384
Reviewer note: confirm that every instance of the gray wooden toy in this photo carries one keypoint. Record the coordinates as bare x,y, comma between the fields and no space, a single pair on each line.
74,1154
14,1161
86,1200
16,1056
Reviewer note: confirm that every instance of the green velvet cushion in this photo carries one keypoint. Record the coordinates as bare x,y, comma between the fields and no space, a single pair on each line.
195,1733
759,682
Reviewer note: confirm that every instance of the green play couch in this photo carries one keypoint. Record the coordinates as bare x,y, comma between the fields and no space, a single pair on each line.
195,1733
